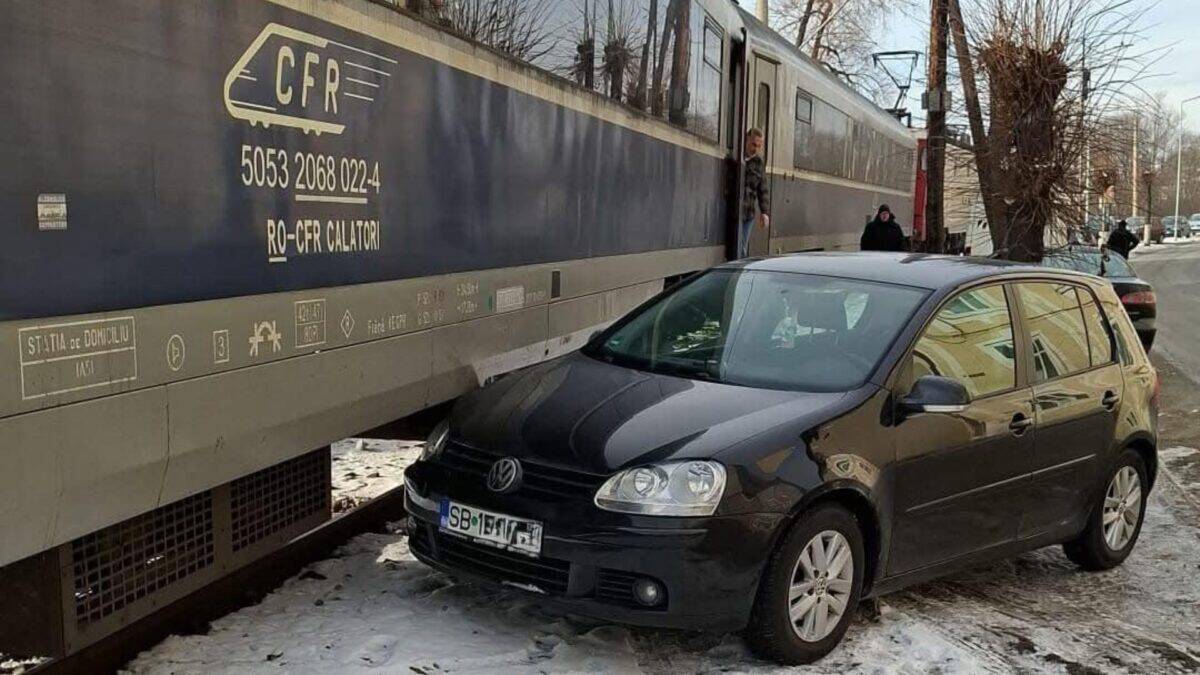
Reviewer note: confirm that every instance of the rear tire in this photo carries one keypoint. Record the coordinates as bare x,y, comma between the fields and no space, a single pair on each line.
810,589
1116,519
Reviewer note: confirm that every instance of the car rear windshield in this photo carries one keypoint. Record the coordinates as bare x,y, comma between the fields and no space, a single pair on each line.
1089,262
774,330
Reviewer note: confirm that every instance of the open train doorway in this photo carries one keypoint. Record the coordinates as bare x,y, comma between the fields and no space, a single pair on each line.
735,113
762,92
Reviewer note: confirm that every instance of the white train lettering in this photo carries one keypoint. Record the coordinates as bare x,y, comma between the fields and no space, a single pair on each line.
285,64
285,54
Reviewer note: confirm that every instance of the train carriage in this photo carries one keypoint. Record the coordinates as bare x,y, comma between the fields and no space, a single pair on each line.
236,231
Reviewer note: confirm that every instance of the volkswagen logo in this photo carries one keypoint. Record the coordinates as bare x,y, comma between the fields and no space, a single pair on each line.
504,476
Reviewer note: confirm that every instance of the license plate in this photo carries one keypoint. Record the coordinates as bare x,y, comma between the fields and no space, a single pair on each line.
494,529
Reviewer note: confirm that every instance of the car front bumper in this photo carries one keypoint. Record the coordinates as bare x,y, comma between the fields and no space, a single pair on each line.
708,567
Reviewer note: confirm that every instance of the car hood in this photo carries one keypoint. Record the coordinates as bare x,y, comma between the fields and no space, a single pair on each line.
593,416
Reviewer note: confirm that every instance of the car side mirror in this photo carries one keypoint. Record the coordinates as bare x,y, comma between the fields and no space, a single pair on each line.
935,394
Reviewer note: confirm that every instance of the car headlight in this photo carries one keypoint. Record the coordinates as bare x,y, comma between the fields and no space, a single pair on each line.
436,441
688,488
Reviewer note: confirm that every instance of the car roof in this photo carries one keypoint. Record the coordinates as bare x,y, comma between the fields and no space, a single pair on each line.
909,269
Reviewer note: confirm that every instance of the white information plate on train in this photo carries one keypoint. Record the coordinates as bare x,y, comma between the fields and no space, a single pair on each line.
491,528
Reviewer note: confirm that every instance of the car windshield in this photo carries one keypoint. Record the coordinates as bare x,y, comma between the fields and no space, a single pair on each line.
776,330
1089,262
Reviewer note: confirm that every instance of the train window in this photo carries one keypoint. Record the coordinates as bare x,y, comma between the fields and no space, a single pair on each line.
602,48
831,138
714,45
804,107
762,118
803,134
705,118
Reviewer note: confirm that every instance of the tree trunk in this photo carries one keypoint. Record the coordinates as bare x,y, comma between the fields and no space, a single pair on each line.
815,50
643,82
993,203
802,31
656,88
681,62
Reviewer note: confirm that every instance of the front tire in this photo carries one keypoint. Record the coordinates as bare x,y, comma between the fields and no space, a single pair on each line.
810,588
1116,521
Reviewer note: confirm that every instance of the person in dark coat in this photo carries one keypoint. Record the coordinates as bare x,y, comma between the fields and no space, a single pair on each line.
883,233
1122,240
756,200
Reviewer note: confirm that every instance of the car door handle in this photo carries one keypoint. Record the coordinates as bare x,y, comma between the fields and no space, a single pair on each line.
1110,401
1020,424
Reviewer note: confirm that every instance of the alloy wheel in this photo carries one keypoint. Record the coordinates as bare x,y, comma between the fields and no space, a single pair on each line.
821,584
1122,508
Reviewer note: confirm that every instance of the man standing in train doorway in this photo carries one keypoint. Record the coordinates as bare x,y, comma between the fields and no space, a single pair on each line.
756,200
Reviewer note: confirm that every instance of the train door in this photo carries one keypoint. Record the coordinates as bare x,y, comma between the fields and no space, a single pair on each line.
763,97
736,111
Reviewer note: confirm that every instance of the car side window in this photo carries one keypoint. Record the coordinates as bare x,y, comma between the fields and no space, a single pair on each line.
1122,330
970,340
1057,331
1100,337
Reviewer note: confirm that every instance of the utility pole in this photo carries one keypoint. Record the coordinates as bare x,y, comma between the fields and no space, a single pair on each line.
1085,163
937,101
764,11
1137,123
1179,165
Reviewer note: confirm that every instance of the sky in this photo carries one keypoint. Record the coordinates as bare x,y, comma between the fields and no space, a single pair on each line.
1168,25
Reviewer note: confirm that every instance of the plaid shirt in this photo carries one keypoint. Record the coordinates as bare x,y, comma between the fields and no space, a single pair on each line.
758,190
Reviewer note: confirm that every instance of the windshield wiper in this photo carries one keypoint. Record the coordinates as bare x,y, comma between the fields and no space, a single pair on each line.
682,370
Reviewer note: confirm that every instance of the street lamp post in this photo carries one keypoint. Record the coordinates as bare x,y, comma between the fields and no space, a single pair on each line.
1179,164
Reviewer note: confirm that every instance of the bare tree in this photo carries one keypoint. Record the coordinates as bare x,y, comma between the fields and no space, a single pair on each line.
641,96
1039,79
1135,151
841,34
519,28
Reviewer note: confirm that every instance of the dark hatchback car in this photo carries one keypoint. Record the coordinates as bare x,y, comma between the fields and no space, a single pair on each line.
762,446
1136,294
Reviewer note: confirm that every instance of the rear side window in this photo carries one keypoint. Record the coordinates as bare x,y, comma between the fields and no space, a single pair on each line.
970,340
1057,329
1099,332
1123,332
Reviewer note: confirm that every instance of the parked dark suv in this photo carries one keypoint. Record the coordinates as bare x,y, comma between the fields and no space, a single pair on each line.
762,446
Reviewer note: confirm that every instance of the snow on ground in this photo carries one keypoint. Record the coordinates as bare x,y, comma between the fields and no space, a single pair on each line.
365,468
373,608
11,666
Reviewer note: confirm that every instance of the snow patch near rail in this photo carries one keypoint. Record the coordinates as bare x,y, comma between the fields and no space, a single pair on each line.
14,666
365,468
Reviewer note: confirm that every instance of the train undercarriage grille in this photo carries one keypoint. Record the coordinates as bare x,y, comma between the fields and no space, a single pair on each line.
120,565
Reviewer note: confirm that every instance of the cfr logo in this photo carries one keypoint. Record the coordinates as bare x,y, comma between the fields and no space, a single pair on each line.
292,78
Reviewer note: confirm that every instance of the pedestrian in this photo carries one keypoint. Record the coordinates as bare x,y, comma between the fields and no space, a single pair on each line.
883,233
756,200
1122,240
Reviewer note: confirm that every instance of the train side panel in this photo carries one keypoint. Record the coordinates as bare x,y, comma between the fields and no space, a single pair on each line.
176,313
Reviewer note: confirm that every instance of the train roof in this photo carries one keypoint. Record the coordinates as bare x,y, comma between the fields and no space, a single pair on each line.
909,269
762,33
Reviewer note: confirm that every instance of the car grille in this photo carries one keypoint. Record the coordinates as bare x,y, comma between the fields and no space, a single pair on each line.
549,574
540,480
